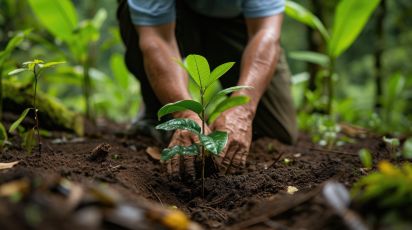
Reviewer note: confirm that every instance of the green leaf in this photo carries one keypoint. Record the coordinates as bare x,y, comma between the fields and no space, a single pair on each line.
19,120
169,153
99,18
393,90
218,72
407,149
220,138
311,57
29,141
119,70
17,71
228,103
366,158
59,17
208,143
350,18
180,106
226,91
301,14
3,134
393,142
198,69
51,64
180,123
12,44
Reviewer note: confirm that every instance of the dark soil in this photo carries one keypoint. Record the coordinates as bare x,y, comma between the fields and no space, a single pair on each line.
254,198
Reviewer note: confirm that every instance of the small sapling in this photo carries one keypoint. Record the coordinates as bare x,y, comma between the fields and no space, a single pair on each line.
36,67
213,143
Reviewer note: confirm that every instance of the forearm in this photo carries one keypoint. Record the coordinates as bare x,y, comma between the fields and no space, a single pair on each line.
167,79
259,62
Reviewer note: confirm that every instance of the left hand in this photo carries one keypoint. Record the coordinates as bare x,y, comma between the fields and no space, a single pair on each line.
238,123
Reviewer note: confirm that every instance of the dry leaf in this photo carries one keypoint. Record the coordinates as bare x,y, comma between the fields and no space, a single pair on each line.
154,152
292,189
353,130
8,165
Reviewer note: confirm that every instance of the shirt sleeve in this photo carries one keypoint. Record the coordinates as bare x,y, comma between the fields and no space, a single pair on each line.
262,8
152,12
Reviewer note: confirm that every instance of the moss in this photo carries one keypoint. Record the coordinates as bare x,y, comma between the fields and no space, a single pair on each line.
52,113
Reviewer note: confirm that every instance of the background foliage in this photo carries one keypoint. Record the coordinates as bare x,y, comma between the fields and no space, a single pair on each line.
115,92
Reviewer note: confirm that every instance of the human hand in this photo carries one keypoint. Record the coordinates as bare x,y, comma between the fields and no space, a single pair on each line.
183,167
238,123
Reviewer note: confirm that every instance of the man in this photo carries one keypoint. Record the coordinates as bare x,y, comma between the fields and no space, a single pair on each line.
244,31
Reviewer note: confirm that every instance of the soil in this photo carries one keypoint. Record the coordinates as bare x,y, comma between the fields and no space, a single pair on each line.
253,198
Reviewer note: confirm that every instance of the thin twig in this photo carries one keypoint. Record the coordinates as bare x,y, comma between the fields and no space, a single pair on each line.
36,118
276,160
150,188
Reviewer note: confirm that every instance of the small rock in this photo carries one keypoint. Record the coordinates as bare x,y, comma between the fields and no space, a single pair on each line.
292,189
100,153
297,155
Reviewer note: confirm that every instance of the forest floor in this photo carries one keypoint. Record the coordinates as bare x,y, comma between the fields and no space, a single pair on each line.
255,198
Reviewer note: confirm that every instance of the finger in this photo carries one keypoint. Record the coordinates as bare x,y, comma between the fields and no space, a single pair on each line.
189,167
221,156
227,161
237,162
243,159
237,159
175,166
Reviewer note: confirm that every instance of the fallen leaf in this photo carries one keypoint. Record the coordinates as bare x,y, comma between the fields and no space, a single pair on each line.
353,130
154,152
292,189
8,165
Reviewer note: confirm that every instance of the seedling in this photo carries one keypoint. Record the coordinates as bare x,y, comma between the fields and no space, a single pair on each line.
366,158
393,144
80,37
212,144
3,137
287,161
36,67
349,20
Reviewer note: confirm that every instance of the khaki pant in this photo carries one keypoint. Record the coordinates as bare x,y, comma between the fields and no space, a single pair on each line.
219,40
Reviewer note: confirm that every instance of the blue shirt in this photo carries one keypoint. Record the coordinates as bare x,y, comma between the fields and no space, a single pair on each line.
156,12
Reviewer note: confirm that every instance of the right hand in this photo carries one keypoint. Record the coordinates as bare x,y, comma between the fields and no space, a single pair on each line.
183,167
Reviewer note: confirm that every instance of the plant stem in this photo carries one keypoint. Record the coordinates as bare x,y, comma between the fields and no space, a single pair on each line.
1,93
36,118
87,87
203,148
380,45
331,88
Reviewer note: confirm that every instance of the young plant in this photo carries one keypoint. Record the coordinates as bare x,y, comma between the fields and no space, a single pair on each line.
80,37
36,67
349,20
392,144
366,158
3,137
212,144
